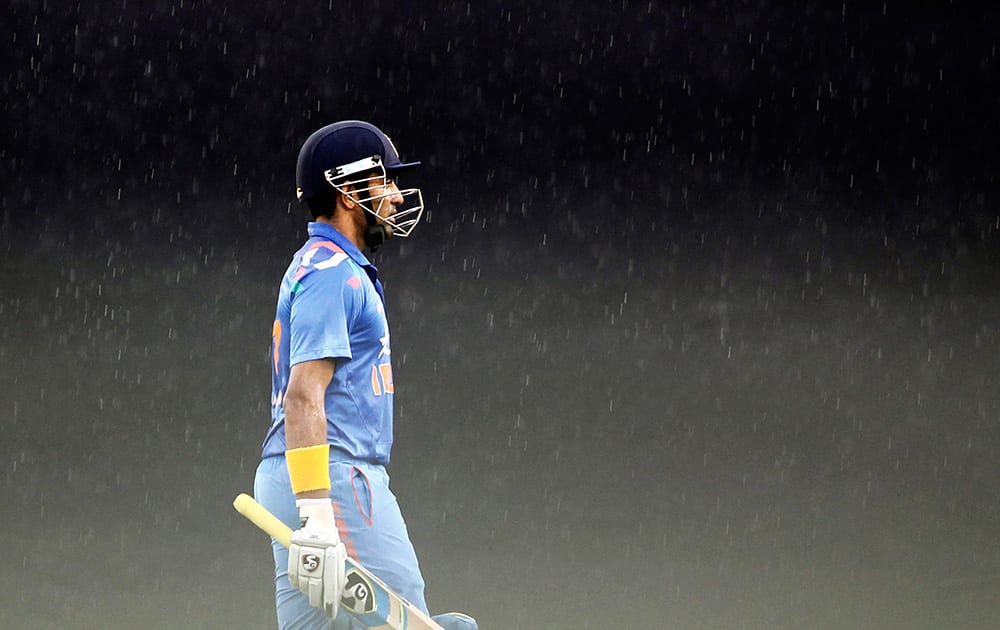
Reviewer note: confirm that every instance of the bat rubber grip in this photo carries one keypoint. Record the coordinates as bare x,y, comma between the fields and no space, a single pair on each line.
259,516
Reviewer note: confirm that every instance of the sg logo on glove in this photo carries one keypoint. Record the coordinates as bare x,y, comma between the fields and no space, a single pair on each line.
310,562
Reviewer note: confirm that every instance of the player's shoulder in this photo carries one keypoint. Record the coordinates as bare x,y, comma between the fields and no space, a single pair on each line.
323,261
322,254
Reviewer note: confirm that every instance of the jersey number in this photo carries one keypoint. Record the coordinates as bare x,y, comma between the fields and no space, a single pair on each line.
382,379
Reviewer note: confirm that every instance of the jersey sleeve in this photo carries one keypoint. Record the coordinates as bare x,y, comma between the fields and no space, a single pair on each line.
323,305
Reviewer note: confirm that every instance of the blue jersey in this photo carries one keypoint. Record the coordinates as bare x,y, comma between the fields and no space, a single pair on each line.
330,306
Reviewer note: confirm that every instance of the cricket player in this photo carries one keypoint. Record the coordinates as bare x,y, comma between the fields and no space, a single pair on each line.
323,469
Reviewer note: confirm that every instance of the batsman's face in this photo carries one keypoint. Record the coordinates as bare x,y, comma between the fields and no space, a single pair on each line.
386,197
377,194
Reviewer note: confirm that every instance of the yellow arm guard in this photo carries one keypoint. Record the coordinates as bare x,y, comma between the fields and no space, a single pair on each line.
309,467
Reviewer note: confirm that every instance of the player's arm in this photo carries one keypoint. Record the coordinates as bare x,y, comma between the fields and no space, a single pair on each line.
305,423
316,557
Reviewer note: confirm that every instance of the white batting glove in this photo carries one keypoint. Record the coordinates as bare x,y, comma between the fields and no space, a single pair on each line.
316,556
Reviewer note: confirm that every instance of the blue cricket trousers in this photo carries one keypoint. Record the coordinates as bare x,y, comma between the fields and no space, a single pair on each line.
371,527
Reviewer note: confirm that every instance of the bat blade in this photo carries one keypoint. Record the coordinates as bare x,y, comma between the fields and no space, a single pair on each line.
365,596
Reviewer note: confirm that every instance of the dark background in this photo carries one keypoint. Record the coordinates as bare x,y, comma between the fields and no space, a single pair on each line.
700,329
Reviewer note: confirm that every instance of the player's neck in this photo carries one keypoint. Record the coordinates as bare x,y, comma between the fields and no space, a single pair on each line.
344,223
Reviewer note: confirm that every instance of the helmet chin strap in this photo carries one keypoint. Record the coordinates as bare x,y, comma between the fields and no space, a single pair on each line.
375,232
374,237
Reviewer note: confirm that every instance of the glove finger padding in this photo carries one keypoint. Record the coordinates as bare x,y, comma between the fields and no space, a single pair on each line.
316,567
334,578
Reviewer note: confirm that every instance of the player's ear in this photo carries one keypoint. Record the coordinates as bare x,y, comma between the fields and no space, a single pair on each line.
346,197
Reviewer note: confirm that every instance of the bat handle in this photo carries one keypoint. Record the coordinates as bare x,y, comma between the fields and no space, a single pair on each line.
259,516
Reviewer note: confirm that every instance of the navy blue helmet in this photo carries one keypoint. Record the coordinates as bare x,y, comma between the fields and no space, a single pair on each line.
339,145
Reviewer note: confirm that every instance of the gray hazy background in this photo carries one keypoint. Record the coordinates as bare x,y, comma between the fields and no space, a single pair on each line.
700,330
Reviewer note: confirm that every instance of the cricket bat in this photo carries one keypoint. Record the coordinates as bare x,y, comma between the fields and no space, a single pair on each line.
365,596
